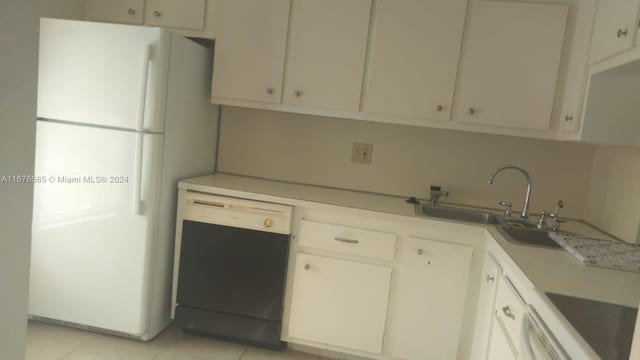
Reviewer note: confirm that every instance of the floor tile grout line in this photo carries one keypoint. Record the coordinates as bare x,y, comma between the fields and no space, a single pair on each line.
243,353
71,352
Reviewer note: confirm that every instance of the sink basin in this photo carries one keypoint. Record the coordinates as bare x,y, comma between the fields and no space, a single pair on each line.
450,213
532,237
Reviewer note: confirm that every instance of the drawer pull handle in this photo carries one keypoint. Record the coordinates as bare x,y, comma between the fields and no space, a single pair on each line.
347,241
508,313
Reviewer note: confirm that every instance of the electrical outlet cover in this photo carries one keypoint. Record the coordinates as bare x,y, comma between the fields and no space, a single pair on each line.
361,153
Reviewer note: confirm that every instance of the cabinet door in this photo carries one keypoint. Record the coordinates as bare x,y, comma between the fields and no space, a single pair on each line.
118,11
500,347
327,48
183,14
339,303
414,57
486,299
251,38
510,64
428,303
614,28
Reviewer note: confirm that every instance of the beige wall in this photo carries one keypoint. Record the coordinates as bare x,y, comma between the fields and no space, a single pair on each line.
18,68
614,193
406,160
19,28
63,9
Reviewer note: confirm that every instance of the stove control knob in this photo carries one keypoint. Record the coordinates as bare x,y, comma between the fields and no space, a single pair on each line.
268,222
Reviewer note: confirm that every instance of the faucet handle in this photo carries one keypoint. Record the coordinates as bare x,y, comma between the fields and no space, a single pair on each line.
542,222
507,211
556,217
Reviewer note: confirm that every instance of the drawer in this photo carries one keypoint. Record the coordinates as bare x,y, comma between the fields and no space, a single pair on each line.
510,309
347,240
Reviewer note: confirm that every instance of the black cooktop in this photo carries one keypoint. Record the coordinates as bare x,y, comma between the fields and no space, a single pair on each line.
607,328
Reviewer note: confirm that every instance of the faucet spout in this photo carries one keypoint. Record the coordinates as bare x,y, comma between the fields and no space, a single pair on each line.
525,208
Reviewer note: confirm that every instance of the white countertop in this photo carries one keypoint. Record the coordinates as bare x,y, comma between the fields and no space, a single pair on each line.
347,198
554,270
549,270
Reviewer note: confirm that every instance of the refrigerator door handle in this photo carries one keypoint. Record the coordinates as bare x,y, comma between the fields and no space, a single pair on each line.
137,181
144,82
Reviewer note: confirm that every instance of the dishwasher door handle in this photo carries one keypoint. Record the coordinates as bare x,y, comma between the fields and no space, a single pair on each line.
535,342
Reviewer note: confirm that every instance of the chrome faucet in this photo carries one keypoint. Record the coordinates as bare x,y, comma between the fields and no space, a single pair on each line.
525,208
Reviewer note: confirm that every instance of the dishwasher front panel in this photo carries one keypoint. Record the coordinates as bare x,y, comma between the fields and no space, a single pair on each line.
232,276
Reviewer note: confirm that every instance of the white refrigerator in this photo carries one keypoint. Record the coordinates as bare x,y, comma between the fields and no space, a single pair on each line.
124,112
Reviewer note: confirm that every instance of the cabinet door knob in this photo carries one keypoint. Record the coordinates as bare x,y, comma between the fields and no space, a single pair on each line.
568,118
131,12
622,32
307,266
270,91
439,108
490,278
268,222
472,111
420,251
157,13
298,93
508,313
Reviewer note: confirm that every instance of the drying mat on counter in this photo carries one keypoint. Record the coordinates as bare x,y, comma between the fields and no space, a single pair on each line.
598,252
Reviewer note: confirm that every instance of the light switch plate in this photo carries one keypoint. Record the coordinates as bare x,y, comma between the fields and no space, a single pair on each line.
361,153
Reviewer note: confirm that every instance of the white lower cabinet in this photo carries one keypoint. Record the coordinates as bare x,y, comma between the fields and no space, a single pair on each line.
500,347
486,299
340,303
428,300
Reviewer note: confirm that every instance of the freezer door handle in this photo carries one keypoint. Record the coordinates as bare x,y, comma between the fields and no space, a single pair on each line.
144,82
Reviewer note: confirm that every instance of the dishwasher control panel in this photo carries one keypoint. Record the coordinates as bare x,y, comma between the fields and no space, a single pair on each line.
235,212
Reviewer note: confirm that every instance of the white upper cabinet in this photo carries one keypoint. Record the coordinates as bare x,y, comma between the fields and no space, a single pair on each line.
413,58
184,14
251,39
430,289
615,27
510,64
326,55
118,11
340,303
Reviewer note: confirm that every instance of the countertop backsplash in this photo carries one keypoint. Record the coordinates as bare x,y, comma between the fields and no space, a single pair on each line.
405,160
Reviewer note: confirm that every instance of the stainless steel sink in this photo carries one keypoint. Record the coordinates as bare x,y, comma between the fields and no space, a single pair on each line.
451,213
524,236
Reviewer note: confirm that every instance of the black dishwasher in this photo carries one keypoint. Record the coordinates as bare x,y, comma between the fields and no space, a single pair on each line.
231,278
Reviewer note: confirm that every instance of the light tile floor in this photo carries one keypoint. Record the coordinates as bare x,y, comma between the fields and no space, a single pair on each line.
51,342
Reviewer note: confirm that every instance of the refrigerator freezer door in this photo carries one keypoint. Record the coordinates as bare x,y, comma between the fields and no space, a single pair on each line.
103,74
92,227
